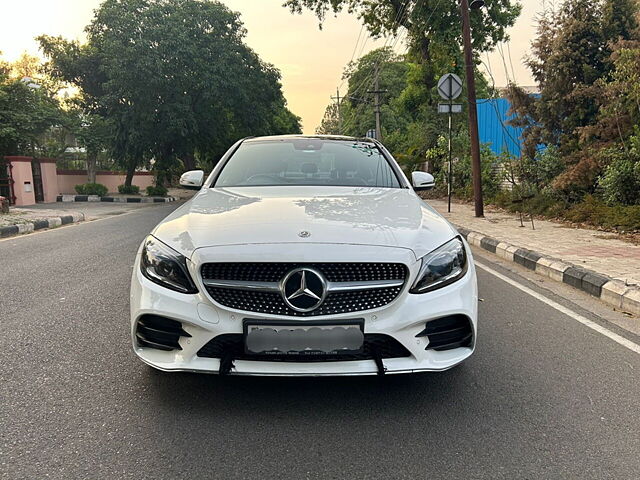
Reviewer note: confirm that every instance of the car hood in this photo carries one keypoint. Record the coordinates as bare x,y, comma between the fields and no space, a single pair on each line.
386,217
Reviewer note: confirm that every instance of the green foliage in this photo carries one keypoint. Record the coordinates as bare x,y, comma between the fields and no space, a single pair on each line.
156,191
595,212
434,30
540,172
620,19
174,79
91,189
26,116
590,210
620,182
541,203
462,175
586,60
129,189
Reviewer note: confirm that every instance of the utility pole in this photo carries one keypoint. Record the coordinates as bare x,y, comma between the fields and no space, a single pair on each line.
377,93
473,111
337,100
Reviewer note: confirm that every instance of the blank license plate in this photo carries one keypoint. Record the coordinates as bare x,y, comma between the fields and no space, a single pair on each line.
303,338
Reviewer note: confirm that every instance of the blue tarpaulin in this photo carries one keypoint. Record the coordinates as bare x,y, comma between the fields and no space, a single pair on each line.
494,128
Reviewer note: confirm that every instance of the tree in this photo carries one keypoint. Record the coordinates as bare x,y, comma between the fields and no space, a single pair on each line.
586,62
26,114
620,19
434,28
174,78
95,134
330,124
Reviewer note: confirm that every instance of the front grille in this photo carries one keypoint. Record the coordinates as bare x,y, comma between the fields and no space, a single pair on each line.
337,302
274,272
448,333
232,345
153,331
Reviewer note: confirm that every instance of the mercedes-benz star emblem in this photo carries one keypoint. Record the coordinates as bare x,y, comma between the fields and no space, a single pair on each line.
304,234
303,289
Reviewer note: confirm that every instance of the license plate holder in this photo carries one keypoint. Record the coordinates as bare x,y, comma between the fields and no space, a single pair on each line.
303,338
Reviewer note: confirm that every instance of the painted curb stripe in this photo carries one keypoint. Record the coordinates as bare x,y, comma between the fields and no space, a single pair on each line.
588,281
95,198
13,230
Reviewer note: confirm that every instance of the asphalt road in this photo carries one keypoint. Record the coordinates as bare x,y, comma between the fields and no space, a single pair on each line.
543,397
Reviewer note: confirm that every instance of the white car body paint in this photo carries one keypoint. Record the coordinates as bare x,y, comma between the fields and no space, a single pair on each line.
305,225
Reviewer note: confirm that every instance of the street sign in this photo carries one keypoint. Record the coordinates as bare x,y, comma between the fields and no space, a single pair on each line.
450,86
371,133
449,108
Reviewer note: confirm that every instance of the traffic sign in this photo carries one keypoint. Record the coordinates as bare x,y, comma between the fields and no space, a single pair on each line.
449,108
450,86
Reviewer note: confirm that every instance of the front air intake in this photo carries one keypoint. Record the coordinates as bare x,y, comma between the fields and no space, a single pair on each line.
160,333
448,333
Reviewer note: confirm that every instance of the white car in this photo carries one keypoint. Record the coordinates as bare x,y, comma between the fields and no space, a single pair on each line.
304,255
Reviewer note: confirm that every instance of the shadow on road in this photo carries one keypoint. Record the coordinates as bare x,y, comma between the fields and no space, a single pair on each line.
324,395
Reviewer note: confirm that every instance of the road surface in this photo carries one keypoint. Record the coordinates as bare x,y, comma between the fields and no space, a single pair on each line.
543,397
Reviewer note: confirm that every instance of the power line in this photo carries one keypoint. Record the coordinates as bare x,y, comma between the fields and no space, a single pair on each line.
402,14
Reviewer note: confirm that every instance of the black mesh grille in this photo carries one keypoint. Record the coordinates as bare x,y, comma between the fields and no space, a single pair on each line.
233,346
272,302
334,272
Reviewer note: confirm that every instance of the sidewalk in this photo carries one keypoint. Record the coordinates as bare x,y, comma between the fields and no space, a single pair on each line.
599,251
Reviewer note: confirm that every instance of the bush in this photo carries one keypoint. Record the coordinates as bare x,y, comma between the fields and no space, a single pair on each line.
596,212
156,191
543,170
544,204
129,189
463,179
591,210
620,182
91,189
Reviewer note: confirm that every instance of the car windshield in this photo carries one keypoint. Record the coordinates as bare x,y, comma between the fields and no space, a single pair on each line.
307,161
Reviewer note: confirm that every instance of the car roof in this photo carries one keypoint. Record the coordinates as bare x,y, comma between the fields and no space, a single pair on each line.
338,138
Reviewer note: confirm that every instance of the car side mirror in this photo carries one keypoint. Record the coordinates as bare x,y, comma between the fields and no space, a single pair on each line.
422,181
192,179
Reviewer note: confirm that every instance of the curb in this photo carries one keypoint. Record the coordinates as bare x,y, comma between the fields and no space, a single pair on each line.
32,226
96,198
614,292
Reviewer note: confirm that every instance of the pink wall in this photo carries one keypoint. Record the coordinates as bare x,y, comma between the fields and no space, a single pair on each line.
49,180
68,179
58,182
22,180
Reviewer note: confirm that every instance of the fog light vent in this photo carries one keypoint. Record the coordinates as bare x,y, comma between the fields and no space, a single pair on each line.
160,333
448,333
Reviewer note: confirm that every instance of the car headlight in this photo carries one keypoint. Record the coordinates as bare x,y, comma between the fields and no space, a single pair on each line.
166,267
441,267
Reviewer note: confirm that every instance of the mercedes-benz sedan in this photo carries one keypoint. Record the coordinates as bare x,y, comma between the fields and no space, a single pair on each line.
304,255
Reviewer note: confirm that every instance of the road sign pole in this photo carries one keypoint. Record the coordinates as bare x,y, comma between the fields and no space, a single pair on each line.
450,189
450,88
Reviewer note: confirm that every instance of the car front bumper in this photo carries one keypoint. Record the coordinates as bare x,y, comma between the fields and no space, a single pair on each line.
402,319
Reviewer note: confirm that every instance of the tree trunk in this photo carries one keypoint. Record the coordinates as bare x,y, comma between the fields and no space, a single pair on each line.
91,167
189,161
131,169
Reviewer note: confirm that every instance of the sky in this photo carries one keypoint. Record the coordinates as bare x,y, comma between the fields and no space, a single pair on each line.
311,60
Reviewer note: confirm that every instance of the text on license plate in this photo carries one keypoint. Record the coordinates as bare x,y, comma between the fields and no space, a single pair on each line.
303,339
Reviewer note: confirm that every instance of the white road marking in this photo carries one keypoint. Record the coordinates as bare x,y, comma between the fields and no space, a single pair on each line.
570,313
